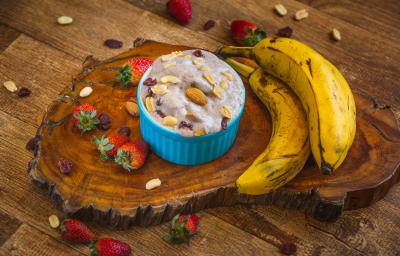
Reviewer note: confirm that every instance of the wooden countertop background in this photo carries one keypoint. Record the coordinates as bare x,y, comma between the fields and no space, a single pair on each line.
37,53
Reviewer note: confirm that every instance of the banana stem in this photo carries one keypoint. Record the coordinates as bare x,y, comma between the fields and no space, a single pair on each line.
243,69
233,51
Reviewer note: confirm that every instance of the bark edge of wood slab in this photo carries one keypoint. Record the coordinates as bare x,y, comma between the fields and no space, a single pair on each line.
101,192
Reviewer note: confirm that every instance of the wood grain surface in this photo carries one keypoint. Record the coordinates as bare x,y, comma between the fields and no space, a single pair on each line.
39,52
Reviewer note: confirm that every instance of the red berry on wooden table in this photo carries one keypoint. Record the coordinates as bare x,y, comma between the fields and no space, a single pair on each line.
183,228
76,232
246,33
110,247
180,10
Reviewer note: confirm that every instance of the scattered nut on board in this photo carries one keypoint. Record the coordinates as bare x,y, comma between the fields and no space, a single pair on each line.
132,108
280,9
54,221
10,85
153,183
336,34
301,14
64,20
86,91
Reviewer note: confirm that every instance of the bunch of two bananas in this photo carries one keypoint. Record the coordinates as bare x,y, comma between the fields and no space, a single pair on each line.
311,106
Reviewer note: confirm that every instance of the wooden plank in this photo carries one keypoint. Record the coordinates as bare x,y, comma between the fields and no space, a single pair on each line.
8,225
30,241
8,35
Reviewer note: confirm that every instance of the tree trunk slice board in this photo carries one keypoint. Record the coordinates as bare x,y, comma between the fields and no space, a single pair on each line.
102,192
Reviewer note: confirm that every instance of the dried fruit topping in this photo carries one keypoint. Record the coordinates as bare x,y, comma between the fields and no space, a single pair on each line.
208,25
181,10
285,32
159,102
160,113
280,9
184,124
198,53
224,123
196,96
109,144
301,14
132,155
110,247
153,183
150,93
170,121
10,86
85,118
183,228
105,121
76,232
150,82
65,166
125,131
64,20
33,143
113,43
23,92
86,91
246,33
132,108
288,249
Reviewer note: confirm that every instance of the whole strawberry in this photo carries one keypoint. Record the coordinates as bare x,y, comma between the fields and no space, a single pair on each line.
84,118
183,228
181,10
133,71
246,33
75,231
132,155
110,247
109,144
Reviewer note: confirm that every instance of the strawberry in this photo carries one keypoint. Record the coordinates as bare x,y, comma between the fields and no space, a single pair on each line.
132,155
108,145
246,33
133,71
110,247
183,228
181,10
75,231
85,118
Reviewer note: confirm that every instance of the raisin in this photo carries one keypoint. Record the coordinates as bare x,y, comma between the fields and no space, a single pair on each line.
150,82
113,44
32,143
198,53
184,124
125,131
209,24
23,92
288,248
160,113
224,123
105,121
285,32
150,93
65,166
73,87
158,102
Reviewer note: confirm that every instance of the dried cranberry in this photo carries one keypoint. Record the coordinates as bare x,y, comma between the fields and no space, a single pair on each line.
224,123
105,121
209,24
23,92
158,102
285,32
150,82
73,87
150,93
113,44
198,53
160,113
65,166
125,131
184,124
288,248
32,143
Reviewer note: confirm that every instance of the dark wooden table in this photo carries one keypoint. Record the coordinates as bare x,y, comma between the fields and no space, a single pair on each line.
37,53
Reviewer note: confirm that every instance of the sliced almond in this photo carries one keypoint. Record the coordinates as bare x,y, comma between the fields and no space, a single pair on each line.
204,68
199,133
336,34
160,89
150,104
132,108
10,85
223,84
197,96
153,183
197,61
169,64
280,9
54,221
170,121
209,79
167,57
170,79
226,112
228,75
184,55
301,14
217,90
64,20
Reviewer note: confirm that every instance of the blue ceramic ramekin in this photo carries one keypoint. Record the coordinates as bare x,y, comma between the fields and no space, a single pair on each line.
179,149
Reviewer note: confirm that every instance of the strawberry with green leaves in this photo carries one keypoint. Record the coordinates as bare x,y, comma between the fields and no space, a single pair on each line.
110,247
73,231
133,71
183,228
108,144
246,33
132,155
84,118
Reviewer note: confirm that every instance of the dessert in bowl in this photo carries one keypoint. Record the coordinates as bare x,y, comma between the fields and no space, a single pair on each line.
190,105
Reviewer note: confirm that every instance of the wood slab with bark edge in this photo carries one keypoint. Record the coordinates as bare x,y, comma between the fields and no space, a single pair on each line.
101,192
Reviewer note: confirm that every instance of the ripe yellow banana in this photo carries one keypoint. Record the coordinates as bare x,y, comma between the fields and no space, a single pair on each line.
322,89
288,148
